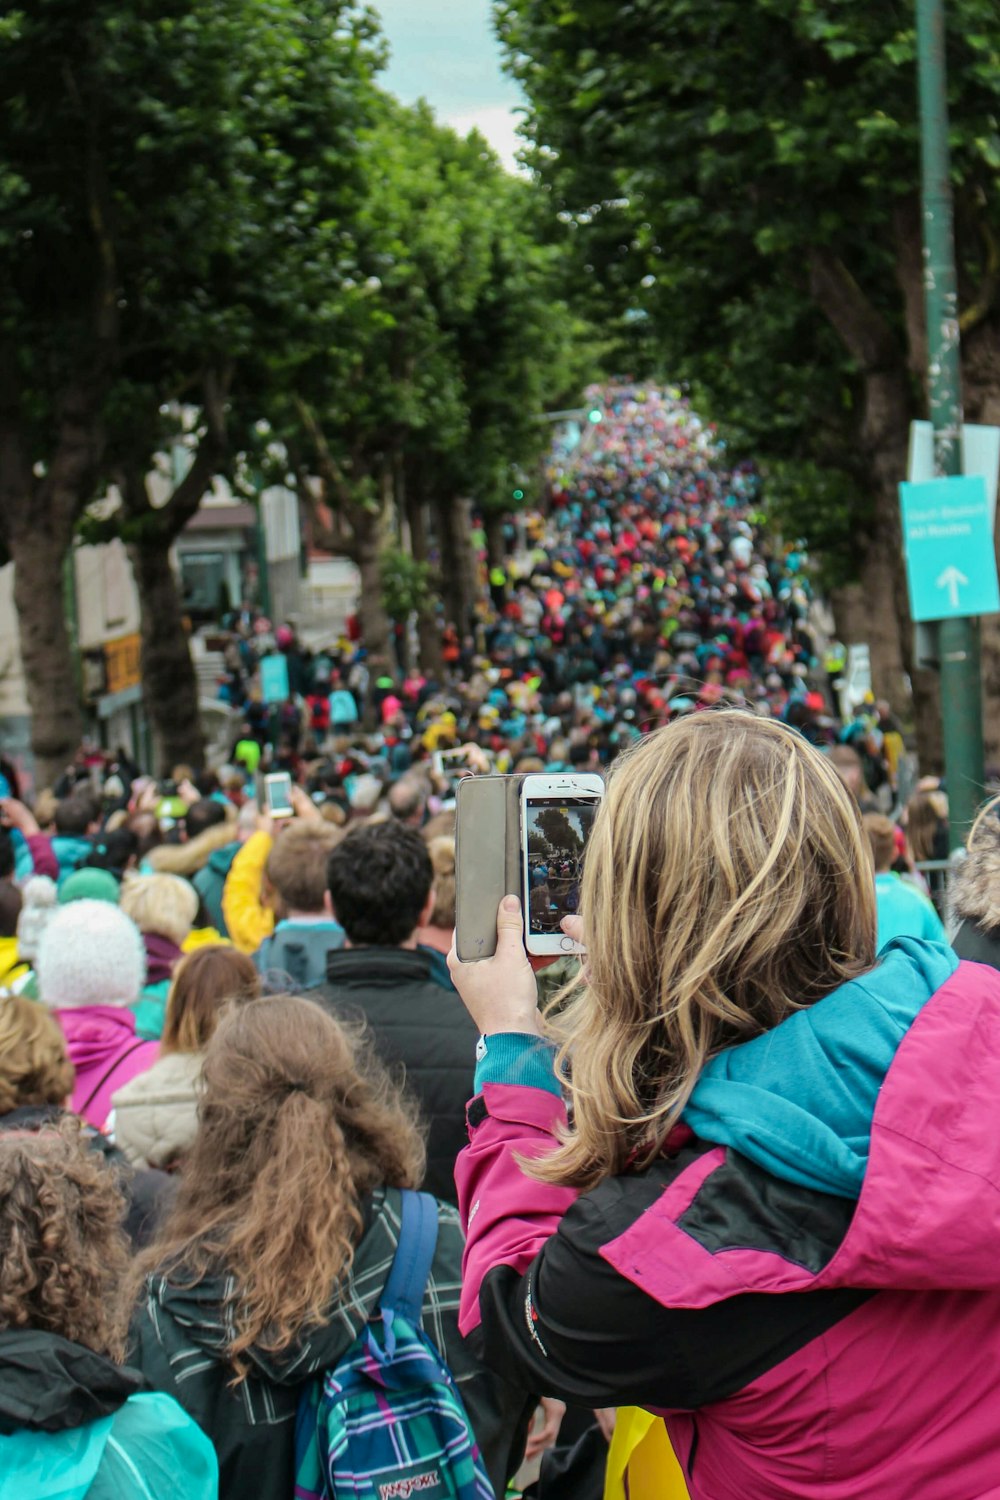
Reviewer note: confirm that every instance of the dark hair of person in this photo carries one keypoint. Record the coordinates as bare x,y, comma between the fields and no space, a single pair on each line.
10,907
7,860
112,851
379,877
63,1253
205,813
203,983
297,1127
75,813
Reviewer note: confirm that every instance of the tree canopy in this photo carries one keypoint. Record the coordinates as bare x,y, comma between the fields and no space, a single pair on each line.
743,181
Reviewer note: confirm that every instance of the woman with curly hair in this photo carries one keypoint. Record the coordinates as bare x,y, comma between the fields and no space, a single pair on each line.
36,1083
770,1213
281,1240
74,1420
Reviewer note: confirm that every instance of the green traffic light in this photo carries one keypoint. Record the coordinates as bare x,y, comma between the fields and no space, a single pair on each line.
596,415
518,494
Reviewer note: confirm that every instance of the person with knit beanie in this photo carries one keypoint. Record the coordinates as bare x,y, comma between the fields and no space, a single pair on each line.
89,885
91,966
17,954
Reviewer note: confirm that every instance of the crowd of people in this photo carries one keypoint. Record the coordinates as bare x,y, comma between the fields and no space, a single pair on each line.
719,1224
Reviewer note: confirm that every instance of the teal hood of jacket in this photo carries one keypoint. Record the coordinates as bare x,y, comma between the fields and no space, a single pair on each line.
75,1426
799,1100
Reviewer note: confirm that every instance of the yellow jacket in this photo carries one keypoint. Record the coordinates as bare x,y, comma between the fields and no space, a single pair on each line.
641,1462
11,967
249,921
203,937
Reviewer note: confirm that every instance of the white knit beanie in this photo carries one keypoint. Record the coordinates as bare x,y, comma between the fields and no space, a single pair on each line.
91,954
38,904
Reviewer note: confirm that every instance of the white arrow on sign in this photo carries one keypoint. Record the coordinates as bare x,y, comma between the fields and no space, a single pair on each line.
950,579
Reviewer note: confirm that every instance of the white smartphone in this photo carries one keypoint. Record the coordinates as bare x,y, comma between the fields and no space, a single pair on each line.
557,815
278,794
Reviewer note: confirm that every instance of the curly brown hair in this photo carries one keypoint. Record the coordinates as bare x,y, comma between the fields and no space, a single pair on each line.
63,1252
297,1125
34,1067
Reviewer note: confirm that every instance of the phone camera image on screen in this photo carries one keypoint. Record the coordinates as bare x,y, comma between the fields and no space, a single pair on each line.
556,834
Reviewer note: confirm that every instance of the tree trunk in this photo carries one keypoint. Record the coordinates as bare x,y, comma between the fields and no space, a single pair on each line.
457,569
495,551
38,516
428,626
883,440
169,682
376,629
50,676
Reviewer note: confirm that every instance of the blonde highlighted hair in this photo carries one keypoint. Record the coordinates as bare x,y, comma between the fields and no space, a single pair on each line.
727,883
166,904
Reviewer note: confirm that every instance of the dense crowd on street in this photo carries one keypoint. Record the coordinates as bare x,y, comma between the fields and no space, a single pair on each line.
295,1204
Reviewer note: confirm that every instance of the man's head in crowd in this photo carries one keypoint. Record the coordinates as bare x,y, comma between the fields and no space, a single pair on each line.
205,813
847,764
78,815
408,800
297,865
882,838
380,881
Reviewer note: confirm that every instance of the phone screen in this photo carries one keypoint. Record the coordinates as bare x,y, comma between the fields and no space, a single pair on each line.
556,830
278,791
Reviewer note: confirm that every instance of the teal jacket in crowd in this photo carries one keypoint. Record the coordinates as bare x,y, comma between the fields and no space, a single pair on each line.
76,1426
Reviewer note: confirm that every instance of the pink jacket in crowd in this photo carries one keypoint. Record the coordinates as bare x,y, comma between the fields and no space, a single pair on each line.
106,1054
801,1344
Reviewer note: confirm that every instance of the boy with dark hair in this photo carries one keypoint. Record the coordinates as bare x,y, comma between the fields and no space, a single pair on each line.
381,890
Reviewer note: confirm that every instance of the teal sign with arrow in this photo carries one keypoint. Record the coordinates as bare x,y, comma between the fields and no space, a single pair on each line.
948,540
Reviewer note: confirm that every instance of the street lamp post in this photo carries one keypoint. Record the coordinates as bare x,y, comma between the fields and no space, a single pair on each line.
958,640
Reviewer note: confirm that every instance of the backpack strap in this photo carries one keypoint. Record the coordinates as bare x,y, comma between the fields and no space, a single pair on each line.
411,1265
139,1042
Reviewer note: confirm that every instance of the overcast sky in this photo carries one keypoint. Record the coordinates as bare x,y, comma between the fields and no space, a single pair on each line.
445,52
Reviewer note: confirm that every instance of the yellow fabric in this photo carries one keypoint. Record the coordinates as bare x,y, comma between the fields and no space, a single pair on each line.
893,746
248,920
10,966
641,1449
202,937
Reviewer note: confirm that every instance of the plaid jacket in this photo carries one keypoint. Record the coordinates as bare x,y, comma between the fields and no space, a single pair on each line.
179,1335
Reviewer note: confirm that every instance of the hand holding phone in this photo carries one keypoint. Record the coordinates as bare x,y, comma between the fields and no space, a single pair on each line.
278,795
499,992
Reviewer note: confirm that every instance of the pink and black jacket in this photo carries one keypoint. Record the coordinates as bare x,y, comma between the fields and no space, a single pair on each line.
807,1286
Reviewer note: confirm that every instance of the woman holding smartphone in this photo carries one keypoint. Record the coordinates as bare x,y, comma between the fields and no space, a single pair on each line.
772,1211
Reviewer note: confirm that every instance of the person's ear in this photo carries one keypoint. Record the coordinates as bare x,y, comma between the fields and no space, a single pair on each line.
328,905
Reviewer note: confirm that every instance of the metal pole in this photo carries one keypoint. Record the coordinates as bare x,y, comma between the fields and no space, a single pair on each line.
961,686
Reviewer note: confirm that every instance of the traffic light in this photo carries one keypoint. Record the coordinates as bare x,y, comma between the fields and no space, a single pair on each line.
518,495
595,415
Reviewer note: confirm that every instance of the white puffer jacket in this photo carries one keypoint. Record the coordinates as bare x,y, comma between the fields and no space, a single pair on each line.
156,1114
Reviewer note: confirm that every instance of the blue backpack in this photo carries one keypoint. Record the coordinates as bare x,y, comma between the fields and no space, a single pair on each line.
387,1423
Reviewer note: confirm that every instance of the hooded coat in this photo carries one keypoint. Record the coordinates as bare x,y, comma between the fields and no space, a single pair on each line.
75,1425
179,1336
805,1285
156,1114
104,1049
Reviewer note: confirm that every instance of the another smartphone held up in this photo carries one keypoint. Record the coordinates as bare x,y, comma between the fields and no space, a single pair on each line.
278,794
526,836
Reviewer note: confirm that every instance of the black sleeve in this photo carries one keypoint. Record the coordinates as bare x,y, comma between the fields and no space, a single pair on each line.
499,1408
572,1327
